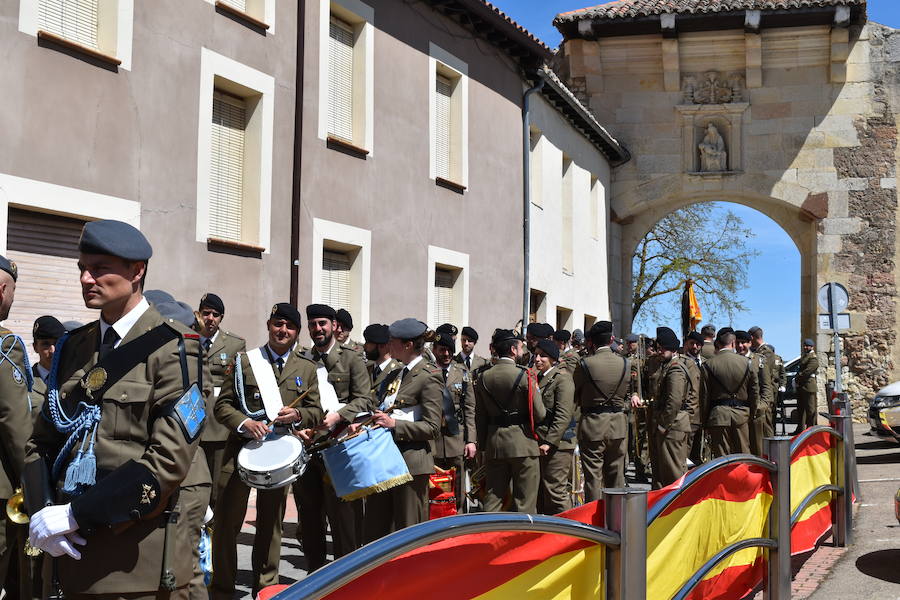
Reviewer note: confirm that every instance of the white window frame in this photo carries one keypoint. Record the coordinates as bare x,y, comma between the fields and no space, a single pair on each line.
43,196
115,27
345,237
449,259
217,71
439,60
362,17
261,10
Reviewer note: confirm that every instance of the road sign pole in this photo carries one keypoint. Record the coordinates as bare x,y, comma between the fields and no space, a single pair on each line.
832,309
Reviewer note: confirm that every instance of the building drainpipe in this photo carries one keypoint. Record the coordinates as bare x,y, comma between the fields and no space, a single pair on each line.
298,154
526,194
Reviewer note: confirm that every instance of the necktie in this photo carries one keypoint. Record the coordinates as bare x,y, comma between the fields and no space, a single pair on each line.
109,342
403,373
376,372
540,377
445,375
207,344
468,363
279,362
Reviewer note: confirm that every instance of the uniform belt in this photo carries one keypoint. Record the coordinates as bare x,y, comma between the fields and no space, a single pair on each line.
731,403
507,420
601,409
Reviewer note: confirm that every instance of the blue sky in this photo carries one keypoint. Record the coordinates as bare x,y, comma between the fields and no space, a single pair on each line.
773,293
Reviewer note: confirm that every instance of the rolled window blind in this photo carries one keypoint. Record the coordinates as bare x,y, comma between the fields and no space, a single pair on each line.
340,80
75,20
226,172
336,279
442,125
443,296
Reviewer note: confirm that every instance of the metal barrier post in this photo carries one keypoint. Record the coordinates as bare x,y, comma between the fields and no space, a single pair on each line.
626,566
778,586
843,519
850,446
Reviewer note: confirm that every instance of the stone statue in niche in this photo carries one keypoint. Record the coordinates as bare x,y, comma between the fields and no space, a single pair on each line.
713,154
712,89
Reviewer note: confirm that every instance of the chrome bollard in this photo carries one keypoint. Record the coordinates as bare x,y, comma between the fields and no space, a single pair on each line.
778,585
843,518
626,566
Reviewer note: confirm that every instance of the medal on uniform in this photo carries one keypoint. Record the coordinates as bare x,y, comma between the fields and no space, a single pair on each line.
223,357
94,380
298,381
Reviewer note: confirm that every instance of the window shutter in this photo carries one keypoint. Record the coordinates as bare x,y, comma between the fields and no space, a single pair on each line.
443,297
443,92
240,5
74,20
340,80
226,170
335,279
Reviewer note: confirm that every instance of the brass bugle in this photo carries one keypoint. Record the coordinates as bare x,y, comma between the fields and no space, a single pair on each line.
14,508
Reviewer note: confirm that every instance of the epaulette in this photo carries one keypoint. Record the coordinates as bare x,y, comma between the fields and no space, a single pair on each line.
300,354
233,335
5,331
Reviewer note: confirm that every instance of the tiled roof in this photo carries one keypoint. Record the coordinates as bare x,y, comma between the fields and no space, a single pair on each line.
521,29
624,9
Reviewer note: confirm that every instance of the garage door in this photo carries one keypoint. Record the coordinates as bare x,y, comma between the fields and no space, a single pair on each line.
45,248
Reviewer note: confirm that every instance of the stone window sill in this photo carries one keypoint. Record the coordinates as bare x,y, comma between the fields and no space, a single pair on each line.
450,185
249,19
223,243
342,145
79,48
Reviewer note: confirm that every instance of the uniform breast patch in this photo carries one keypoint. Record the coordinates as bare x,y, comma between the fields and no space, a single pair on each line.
191,412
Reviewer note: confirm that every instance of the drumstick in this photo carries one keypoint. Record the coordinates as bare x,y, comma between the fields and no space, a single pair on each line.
299,398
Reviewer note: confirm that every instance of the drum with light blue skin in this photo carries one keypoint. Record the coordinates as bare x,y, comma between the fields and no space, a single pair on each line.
365,464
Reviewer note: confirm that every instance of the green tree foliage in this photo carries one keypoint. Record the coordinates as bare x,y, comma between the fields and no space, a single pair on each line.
704,242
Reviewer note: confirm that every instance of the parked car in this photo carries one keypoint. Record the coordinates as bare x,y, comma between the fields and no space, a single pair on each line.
884,411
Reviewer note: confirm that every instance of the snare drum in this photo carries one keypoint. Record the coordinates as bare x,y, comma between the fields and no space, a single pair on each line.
273,462
365,464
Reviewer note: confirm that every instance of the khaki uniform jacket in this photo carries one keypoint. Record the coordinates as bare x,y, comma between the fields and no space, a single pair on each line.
134,427
348,376
558,394
806,372
727,369
298,375
15,415
420,387
497,394
696,406
612,374
764,378
392,366
672,401
220,355
708,350
568,360
38,394
474,360
451,446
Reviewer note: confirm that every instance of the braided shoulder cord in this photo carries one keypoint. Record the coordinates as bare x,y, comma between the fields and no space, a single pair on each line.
4,356
239,389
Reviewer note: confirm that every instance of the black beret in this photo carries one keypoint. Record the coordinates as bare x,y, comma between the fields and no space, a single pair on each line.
158,296
47,328
697,337
9,266
408,329
540,330
446,340
210,300
344,318
632,337
179,311
667,339
602,327
285,310
116,239
548,348
376,333
320,311
447,328
533,329
503,335
723,331
742,336
470,333
562,335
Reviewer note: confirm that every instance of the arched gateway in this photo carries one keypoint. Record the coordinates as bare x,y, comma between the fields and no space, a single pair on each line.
787,107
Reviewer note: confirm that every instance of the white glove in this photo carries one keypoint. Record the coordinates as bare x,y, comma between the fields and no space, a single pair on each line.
63,543
49,522
208,516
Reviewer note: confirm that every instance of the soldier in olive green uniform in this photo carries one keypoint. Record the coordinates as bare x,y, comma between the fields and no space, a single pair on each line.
240,409
568,356
111,529
772,366
343,326
731,391
643,370
457,440
807,389
743,341
220,348
345,373
672,410
380,363
46,332
708,350
506,427
467,356
413,413
692,360
556,433
602,385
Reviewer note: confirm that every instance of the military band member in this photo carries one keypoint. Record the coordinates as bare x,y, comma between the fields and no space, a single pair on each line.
413,414
692,345
672,409
343,326
219,347
805,383
507,411
602,385
46,332
731,391
133,379
448,328
240,408
378,354
457,439
578,342
533,333
344,388
467,356
743,343
708,350
556,433
568,356
638,426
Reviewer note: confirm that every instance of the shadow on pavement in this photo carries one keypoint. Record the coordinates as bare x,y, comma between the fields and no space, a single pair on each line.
878,459
883,444
881,564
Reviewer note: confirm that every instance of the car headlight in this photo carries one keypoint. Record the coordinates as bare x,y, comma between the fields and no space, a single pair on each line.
881,402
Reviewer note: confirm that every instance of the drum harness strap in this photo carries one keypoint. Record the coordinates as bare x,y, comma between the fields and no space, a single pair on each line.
607,406
239,391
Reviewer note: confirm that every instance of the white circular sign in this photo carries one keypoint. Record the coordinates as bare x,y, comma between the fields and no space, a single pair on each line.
839,297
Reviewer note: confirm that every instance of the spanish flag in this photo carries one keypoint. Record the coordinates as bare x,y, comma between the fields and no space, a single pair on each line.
690,309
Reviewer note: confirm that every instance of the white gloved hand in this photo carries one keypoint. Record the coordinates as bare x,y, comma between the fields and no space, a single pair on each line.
62,543
51,521
208,516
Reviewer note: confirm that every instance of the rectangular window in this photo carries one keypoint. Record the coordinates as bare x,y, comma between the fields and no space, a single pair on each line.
443,296
563,318
75,20
443,127
340,80
336,279
448,120
536,304
567,230
589,321
240,5
226,167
